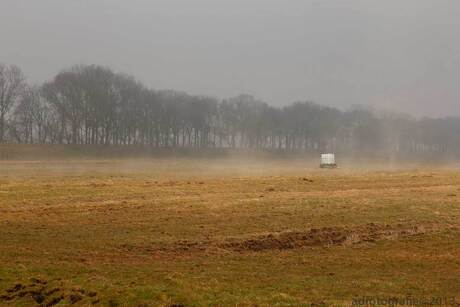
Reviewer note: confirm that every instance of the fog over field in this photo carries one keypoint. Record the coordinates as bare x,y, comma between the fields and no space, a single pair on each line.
351,77
398,55
213,232
179,153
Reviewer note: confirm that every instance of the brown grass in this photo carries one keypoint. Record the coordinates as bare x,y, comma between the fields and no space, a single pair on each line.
224,232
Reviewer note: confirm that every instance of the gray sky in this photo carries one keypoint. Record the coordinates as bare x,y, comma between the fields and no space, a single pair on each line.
395,54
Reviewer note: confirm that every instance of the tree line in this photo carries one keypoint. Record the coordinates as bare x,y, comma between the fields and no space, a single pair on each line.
94,105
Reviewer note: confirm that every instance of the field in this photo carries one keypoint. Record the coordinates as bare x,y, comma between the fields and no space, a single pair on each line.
225,232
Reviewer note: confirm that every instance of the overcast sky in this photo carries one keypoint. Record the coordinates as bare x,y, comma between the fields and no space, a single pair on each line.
394,54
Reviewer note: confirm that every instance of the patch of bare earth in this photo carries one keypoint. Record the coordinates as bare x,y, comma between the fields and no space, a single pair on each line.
316,237
46,294
327,236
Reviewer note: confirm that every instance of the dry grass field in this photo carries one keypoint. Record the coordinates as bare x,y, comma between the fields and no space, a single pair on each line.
225,232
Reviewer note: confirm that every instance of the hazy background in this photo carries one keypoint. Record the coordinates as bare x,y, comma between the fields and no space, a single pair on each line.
394,54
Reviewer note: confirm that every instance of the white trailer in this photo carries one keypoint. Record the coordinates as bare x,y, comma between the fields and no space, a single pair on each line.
328,161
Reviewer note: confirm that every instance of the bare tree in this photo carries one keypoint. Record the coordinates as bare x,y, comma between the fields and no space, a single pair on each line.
29,116
94,105
11,84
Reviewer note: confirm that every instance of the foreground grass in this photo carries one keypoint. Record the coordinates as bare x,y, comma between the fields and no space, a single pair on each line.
121,233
